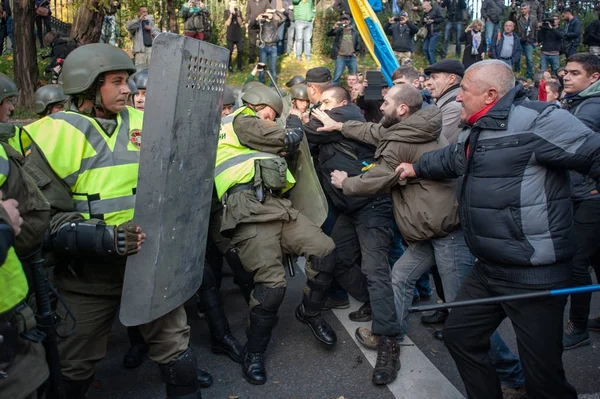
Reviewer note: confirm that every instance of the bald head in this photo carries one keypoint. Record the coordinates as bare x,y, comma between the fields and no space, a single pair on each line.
492,74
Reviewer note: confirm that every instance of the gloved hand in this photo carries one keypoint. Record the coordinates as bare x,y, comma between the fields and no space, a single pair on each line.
292,140
129,238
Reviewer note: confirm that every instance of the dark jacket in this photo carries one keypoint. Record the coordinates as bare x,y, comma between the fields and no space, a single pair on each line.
526,29
492,10
61,47
268,32
591,35
436,15
498,42
584,105
551,38
371,109
401,35
468,58
513,190
336,152
454,9
338,33
253,9
572,35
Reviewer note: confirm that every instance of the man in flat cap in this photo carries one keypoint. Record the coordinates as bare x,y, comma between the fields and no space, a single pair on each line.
317,80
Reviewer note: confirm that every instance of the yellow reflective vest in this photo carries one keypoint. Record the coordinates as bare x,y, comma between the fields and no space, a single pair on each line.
235,162
13,283
101,170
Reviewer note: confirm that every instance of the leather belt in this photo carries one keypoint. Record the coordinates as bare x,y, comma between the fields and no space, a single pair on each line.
241,187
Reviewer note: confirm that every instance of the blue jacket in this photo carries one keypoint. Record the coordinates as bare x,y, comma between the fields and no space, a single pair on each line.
498,42
572,34
513,190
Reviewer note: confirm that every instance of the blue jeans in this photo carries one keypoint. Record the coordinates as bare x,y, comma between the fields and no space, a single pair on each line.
280,35
526,48
491,30
340,64
553,60
429,45
291,32
507,365
423,285
452,257
304,31
450,26
271,53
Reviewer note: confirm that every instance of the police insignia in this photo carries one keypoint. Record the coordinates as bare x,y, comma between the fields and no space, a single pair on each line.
135,136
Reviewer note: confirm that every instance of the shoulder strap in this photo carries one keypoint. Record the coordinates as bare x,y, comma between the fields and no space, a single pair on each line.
451,99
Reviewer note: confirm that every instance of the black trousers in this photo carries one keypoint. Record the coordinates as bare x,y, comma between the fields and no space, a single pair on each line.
586,225
252,48
239,44
39,20
362,269
538,324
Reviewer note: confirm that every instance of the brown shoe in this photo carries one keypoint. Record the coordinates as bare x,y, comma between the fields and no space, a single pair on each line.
366,338
513,393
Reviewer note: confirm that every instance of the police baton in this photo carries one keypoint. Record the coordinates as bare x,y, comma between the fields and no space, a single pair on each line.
274,83
506,298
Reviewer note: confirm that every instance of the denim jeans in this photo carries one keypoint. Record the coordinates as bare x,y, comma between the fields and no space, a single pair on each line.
527,49
450,26
304,31
280,36
505,362
453,259
340,64
429,45
289,42
553,60
108,33
491,30
269,52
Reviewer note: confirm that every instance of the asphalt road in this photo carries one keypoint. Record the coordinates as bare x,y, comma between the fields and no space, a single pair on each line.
301,368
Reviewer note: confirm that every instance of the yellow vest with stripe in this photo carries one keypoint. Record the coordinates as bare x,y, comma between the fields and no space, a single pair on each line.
101,170
13,283
235,162
15,141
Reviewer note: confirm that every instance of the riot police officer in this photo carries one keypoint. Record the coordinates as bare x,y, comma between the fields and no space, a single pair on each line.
49,99
299,97
140,79
250,178
92,190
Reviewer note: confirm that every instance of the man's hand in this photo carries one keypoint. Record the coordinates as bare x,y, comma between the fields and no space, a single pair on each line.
129,239
296,112
406,170
338,177
11,207
329,125
391,20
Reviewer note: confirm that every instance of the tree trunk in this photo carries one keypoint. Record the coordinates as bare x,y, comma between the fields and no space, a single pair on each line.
172,17
25,60
88,22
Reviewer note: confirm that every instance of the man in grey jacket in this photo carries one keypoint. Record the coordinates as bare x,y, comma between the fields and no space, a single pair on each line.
445,77
143,31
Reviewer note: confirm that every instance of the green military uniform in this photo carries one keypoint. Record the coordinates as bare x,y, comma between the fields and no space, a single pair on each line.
407,5
262,226
88,170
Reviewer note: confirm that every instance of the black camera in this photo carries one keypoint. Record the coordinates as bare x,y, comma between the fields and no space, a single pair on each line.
396,19
547,23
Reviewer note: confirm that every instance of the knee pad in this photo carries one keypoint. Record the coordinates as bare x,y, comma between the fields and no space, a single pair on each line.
181,371
269,298
324,264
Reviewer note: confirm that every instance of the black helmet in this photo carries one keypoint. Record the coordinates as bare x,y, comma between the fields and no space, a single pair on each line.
140,79
228,97
295,80
132,87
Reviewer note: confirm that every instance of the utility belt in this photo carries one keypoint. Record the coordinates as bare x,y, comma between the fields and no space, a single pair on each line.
270,176
17,322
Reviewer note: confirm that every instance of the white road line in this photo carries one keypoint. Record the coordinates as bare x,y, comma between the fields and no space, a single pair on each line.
418,377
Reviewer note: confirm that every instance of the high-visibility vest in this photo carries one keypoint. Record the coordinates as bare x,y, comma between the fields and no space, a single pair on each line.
101,170
235,162
15,141
13,283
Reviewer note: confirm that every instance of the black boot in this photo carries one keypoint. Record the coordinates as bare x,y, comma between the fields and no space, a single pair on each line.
76,389
181,377
138,350
242,278
259,335
388,361
204,378
222,340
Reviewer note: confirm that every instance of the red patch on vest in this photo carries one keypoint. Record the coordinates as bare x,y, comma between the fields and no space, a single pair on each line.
136,137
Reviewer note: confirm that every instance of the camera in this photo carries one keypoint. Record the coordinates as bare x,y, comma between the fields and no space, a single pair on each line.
547,23
260,66
396,19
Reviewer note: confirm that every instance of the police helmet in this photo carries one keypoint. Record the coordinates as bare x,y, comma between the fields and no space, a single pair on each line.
132,86
8,88
140,79
250,86
299,92
228,97
263,95
85,64
295,80
47,95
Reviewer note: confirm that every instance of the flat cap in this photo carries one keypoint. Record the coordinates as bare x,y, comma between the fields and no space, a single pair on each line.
447,65
318,75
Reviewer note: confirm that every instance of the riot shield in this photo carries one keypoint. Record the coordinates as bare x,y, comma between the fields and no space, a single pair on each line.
307,195
181,125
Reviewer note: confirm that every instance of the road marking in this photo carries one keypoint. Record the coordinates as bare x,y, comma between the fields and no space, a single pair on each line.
418,377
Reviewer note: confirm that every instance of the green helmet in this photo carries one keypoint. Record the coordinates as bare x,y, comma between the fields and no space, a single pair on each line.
85,64
141,79
263,95
299,92
132,87
8,88
48,95
295,80
250,86
228,96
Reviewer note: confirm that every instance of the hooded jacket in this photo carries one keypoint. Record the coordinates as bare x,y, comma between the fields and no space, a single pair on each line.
423,209
585,106
513,186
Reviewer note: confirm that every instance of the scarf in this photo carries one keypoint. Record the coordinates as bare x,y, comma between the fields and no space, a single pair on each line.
475,41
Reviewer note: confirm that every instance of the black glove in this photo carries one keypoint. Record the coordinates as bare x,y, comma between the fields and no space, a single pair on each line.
293,138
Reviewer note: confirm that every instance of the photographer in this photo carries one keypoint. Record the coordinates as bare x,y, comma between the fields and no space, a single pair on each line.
345,46
526,25
254,8
551,37
454,22
195,19
432,20
572,32
143,31
268,23
233,21
402,31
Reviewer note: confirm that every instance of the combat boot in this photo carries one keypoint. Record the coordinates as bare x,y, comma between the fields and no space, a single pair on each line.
181,377
77,389
388,361
317,324
222,340
259,335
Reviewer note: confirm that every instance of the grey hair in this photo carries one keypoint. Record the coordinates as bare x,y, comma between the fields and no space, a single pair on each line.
502,78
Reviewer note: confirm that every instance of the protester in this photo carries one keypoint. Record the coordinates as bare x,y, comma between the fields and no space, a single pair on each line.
506,46
495,113
551,39
454,23
526,26
572,30
432,20
304,16
254,8
143,32
109,25
291,31
474,43
492,12
233,21
591,36
402,31
346,45
444,85
42,17
196,19
553,93
267,38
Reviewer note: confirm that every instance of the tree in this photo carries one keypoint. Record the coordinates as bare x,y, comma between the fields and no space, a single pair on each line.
25,60
172,24
87,26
